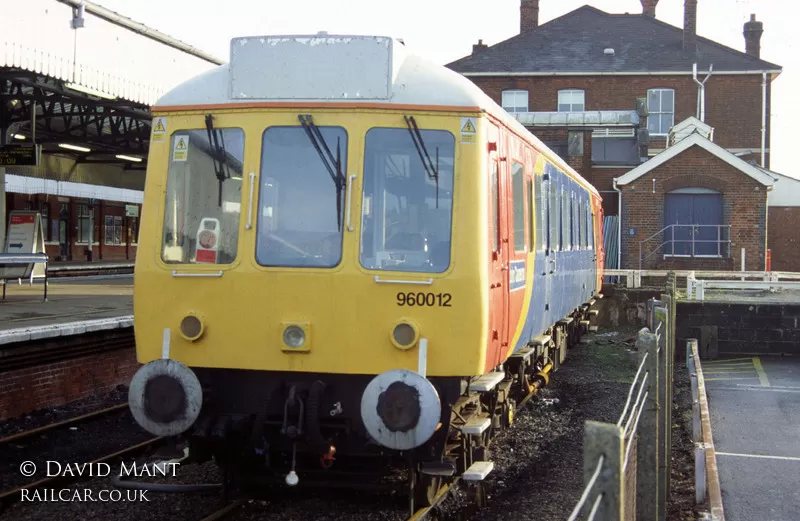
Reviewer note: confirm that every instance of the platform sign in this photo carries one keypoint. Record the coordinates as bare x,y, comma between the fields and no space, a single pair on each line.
131,210
207,241
20,155
25,235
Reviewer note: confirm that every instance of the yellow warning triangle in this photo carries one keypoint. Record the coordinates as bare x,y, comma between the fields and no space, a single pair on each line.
160,126
468,126
181,144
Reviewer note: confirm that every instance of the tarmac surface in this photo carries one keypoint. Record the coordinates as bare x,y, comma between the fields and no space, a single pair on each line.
68,300
755,416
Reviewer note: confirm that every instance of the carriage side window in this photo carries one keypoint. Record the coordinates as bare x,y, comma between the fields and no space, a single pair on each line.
530,217
494,208
590,228
566,224
301,216
518,188
539,208
204,191
406,211
556,244
584,227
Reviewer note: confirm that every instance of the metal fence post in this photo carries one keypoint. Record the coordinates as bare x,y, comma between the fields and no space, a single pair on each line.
606,440
647,448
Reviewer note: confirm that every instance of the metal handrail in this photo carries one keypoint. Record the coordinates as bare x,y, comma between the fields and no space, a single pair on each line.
694,228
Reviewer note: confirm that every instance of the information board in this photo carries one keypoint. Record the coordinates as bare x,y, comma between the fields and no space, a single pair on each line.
25,235
19,155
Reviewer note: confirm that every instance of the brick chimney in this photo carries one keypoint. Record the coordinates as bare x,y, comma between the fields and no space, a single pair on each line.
478,47
649,8
752,36
528,15
690,26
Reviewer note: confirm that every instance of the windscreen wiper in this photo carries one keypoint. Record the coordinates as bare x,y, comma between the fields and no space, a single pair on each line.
334,167
217,141
430,169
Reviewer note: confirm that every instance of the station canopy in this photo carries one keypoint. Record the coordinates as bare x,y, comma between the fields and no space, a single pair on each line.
78,80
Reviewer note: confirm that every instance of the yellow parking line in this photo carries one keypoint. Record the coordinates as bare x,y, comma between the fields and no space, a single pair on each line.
727,360
762,375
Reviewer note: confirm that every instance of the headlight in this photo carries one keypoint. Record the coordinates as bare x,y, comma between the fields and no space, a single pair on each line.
405,335
293,336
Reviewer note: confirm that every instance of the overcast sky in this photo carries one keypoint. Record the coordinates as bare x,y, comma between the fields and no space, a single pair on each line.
444,30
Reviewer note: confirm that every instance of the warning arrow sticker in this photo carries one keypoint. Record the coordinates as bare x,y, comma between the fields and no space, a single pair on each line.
469,131
159,129
180,148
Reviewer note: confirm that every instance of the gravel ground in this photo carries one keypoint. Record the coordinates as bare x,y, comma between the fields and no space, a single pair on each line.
681,506
42,417
538,464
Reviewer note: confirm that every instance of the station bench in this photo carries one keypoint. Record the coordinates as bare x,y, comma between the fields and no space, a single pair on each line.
12,260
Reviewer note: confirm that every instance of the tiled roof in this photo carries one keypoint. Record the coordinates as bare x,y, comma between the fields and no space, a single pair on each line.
575,43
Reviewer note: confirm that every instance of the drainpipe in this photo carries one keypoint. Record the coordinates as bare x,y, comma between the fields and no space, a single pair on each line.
619,224
763,117
701,93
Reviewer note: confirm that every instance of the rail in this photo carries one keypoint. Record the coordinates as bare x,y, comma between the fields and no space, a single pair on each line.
688,243
696,288
627,464
633,278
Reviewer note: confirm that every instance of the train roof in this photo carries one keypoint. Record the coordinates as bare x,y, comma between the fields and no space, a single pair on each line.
337,69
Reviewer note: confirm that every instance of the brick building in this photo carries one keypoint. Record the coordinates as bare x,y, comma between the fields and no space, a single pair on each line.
605,91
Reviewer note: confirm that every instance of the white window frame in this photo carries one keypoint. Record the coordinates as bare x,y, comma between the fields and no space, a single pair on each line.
660,110
574,99
517,97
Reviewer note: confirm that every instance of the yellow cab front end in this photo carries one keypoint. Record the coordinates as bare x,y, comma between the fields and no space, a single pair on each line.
256,254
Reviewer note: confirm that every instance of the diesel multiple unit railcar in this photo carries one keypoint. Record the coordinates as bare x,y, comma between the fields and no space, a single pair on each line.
351,256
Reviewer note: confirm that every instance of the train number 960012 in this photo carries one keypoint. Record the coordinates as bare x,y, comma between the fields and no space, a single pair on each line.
441,300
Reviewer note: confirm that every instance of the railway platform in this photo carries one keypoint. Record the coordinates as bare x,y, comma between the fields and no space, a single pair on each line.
755,416
77,344
69,301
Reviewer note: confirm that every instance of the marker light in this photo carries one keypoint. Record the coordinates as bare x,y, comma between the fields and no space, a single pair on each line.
293,336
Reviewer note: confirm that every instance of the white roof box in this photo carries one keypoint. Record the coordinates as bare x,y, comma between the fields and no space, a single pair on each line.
311,67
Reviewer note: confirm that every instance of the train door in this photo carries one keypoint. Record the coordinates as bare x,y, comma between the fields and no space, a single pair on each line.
549,189
498,245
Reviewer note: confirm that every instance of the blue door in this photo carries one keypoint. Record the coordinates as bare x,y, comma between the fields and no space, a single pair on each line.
698,217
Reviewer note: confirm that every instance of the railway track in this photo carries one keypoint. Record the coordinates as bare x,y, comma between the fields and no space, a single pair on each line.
69,422
13,495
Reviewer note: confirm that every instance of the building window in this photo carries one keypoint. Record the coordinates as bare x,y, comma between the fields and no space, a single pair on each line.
515,100
113,230
571,100
611,146
83,223
45,213
134,230
660,111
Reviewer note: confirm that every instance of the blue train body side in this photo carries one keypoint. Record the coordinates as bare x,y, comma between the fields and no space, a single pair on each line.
563,279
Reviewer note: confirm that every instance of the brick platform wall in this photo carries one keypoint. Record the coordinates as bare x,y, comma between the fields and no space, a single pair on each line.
28,389
739,328
784,237
744,208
